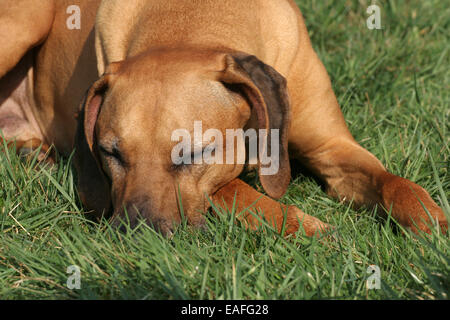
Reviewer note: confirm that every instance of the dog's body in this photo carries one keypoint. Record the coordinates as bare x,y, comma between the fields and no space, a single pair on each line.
164,65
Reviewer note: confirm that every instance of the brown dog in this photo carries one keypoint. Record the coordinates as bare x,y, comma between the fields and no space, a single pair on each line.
163,65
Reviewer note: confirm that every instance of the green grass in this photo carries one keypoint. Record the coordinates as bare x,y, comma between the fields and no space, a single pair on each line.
393,86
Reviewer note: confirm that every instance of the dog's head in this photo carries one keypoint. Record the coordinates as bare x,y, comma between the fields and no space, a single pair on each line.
155,133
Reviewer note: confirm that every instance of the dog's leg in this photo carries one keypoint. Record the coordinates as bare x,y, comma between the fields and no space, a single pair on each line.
252,207
23,25
17,123
320,139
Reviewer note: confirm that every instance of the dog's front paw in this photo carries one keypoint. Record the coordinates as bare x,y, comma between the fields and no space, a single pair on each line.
312,226
408,201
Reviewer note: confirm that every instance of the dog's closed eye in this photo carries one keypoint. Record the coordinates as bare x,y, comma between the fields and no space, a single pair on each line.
112,153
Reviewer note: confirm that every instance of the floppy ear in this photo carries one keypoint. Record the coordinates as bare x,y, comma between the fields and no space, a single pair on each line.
93,186
266,91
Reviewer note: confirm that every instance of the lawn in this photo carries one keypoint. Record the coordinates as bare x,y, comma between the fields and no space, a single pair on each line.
393,86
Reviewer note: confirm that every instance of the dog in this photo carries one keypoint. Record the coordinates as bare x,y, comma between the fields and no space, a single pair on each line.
152,67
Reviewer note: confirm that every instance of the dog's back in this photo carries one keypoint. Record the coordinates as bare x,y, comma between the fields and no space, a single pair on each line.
126,31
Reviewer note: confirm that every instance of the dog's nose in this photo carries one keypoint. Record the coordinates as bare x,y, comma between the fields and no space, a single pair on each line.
139,211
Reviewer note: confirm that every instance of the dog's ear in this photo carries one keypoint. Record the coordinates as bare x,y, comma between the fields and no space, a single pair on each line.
93,186
266,92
